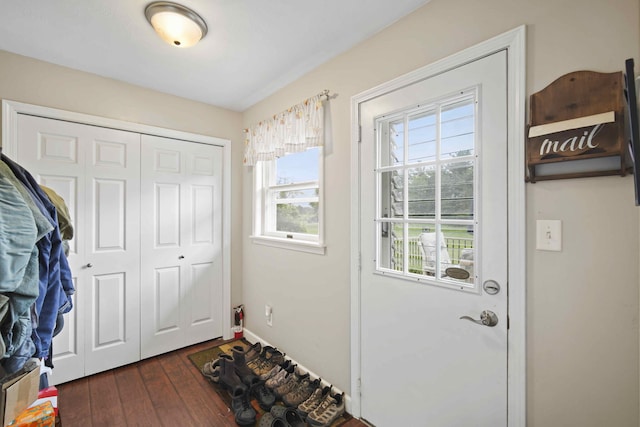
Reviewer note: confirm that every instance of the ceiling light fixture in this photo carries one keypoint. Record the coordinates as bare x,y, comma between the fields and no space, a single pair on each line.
175,24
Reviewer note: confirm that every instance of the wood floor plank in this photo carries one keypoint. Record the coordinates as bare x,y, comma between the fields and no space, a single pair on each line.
196,400
74,403
134,396
166,399
204,386
106,410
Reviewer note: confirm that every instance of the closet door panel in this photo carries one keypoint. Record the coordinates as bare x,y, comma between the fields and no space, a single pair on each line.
166,232
166,293
112,253
162,254
179,197
96,171
67,188
203,301
110,213
199,294
108,314
51,150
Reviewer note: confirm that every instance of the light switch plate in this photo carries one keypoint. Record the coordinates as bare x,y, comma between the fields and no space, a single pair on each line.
549,235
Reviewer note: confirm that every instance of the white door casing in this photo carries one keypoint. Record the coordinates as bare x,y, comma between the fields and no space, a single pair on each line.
181,243
460,332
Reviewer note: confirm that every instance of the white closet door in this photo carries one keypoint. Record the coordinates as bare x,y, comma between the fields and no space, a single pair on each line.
112,178
181,253
96,171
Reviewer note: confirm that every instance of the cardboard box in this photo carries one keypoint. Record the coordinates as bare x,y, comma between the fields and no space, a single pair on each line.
19,392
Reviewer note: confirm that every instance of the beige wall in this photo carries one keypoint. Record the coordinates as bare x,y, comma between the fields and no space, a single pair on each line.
35,82
582,310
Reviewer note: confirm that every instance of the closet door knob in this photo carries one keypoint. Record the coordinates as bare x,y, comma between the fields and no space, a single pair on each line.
89,265
181,257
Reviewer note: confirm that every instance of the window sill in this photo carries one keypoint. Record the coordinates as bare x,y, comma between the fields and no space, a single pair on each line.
293,245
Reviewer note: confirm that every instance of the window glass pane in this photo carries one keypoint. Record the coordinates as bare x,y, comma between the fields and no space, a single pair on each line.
457,190
424,254
297,167
459,241
457,129
391,251
422,192
297,218
422,138
391,194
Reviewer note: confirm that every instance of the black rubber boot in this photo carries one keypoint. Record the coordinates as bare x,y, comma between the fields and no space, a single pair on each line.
228,378
246,375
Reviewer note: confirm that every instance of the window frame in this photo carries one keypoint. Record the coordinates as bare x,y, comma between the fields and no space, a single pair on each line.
265,205
381,128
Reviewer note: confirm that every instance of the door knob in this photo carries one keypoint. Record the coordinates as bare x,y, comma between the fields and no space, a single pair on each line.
89,265
487,318
181,257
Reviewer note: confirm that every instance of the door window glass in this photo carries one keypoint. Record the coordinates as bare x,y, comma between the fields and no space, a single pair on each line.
426,192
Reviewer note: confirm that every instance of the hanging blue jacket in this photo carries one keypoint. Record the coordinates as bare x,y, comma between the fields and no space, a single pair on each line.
18,266
55,280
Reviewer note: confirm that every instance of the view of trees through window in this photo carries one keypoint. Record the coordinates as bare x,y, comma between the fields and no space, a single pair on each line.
296,192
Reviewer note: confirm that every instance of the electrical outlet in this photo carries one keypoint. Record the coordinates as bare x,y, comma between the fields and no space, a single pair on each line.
549,235
268,312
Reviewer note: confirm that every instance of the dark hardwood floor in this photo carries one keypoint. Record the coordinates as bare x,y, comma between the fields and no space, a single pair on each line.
166,390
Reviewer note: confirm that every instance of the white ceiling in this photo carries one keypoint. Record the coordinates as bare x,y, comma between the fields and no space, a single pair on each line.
253,48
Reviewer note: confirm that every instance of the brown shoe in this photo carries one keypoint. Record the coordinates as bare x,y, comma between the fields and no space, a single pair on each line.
301,392
329,410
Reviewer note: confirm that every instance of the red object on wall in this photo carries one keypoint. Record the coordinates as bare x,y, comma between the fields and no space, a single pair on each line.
238,324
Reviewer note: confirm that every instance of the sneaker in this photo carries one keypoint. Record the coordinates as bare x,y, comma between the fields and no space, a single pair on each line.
301,392
279,379
292,381
275,370
309,405
262,365
251,353
328,411
211,370
257,360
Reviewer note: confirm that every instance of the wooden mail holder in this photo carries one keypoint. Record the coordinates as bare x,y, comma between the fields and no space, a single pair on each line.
580,116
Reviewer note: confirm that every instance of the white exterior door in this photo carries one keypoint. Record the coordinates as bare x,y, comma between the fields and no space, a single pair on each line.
182,278
96,171
433,198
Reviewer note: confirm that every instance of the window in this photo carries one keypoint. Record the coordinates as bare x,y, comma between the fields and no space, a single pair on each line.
426,193
286,151
288,202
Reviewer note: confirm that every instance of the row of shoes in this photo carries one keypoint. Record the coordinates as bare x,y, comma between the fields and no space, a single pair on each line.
265,374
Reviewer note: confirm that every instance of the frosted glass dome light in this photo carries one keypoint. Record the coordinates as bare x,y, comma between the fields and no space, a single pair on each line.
175,24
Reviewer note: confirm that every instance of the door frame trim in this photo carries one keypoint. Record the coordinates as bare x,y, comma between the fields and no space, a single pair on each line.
11,109
514,42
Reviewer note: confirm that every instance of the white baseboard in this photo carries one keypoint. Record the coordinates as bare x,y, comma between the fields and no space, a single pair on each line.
253,338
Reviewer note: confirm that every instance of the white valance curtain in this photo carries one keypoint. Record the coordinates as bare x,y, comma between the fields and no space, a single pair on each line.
294,130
